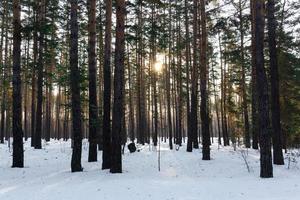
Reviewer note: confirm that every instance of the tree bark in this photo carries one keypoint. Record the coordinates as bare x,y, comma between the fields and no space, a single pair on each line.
93,106
254,114
193,137
266,168
243,81
275,105
18,152
168,87
39,109
75,90
106,155
33,80
203,86
116,159
187,60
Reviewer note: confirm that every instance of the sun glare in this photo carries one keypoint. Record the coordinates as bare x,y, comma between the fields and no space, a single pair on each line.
158,66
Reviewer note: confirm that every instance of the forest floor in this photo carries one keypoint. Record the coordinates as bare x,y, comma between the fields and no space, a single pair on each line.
183,176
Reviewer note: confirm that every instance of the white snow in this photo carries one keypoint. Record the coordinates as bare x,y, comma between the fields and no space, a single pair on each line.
183,176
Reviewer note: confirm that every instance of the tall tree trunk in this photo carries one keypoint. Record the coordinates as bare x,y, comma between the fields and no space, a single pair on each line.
192,138
75,90
131,126
26,91
187,60
153,72
141,88
254,113
4,29
179,80
33,80
58,109
168,87
275,105
116,158
18,152
224,99
203,86
243,80
100,72
106,155
39,109
216,106
93,106
266,168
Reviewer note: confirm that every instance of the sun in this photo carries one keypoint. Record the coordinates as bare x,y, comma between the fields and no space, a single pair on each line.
158,66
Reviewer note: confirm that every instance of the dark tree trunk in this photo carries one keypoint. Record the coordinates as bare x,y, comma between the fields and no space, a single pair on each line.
266,168
243,81
203,86
179,95
225,100
93,106
168,87
18,152
100,72
188,60
26,91
106,156
33,82
253,81
39,109
131,126
75,90
216,106
4,73
116,161
275,105
193,137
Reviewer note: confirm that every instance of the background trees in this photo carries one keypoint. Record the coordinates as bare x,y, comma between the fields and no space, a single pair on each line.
174,52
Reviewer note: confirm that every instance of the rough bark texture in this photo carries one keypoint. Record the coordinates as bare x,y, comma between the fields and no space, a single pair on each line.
243,80
188,60
253,81
38,128
275,105
116,161
18,153
266,168
193,134
93,106
4,72
203,86
75,90
168,88
33,84
106,160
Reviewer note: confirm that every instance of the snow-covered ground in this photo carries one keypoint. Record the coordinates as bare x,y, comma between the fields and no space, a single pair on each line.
183,176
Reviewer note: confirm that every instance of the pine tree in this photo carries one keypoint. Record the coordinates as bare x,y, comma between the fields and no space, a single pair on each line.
203,85
193,137
119,84
106,156
18,152
93,106
253,80
275,106
39,111
266,168
75,90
